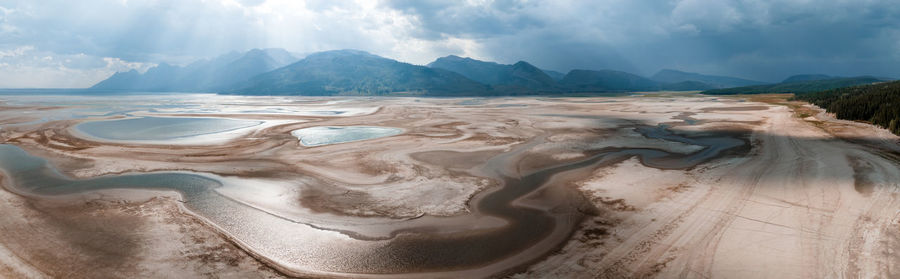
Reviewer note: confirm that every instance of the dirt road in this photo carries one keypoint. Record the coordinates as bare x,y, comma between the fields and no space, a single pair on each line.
804,205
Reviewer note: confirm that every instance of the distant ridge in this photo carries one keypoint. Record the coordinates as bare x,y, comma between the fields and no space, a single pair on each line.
557,76
795,86
675,76
524,77
520,76
804,78
354,72
201,76
607,80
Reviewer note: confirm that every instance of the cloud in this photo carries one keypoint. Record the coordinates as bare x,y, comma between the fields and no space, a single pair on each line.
26,66
760,39
19,51
443,18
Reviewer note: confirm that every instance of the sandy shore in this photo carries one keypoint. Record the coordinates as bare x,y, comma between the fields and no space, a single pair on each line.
805,205
813,197
123,234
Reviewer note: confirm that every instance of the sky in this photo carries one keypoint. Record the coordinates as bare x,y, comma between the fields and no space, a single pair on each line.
73,44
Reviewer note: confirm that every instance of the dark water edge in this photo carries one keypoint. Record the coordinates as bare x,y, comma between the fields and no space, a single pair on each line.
86,92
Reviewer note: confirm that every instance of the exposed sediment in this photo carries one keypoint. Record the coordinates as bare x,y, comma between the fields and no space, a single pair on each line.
467,190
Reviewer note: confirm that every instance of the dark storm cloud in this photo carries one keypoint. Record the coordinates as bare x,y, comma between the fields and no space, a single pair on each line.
762,39
758,39
440,18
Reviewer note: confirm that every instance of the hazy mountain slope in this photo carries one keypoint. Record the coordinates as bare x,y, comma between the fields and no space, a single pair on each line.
524,77
796,87
518,77
119,80
557,76
159,78
675,76
477,70
605,81
253,63
201,76
802,78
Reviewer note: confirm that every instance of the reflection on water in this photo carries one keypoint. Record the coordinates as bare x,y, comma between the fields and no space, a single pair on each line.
531,232
160,128
323,135
511,105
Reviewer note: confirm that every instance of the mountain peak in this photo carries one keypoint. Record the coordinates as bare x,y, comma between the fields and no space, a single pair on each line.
520,75
203,75
458,59
523,64
342,52
523,74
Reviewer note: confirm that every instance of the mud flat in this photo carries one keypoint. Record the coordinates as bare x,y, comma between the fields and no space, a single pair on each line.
569,187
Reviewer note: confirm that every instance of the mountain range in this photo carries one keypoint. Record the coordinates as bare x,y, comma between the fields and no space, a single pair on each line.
355,72
202,76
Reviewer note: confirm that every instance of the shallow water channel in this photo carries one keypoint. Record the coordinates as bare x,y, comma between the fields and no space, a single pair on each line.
532,230
324,135
160,128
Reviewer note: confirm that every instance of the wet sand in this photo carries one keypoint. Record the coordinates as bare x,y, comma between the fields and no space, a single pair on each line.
469,190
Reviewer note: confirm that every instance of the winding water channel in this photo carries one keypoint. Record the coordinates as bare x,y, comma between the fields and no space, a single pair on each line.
534,226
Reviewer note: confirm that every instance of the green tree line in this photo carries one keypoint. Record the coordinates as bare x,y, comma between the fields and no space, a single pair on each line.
878,103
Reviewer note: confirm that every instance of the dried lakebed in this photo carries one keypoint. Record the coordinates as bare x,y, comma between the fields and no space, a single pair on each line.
530,231
618,187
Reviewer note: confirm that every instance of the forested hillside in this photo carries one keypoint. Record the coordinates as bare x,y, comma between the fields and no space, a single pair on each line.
876,103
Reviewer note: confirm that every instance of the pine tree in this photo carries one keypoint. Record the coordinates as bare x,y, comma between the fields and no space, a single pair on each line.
893,127
878,104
